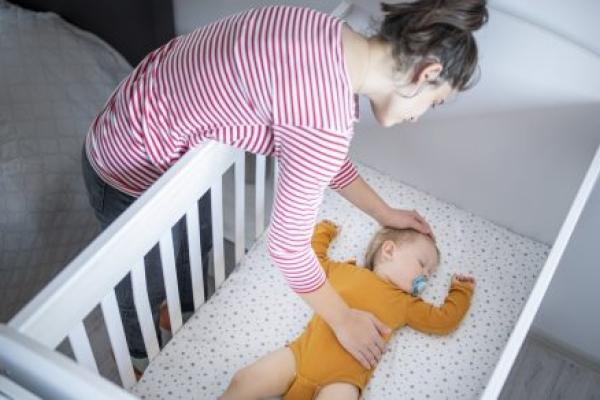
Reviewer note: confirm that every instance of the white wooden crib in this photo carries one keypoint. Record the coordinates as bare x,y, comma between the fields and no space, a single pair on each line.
58,311
28,342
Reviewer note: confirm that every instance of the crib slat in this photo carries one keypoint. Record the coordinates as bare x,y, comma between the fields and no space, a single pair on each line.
167,258
259,195
80,344
142,307
116,335
216,204
195,252
240,197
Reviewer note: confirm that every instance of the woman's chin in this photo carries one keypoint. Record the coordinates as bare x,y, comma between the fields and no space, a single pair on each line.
386,123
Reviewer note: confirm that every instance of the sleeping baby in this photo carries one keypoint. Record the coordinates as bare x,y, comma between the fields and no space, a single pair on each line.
398,263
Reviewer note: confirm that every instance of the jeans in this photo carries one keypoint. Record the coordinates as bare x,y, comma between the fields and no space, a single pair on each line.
108,203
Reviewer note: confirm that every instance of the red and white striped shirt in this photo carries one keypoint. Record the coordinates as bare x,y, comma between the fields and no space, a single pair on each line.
269,80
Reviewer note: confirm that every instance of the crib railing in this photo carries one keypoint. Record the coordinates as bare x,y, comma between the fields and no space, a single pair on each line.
59,310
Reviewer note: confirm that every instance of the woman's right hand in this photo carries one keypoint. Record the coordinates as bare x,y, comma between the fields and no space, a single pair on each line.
361,334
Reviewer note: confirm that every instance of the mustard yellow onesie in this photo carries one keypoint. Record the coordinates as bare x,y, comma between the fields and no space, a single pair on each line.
321,359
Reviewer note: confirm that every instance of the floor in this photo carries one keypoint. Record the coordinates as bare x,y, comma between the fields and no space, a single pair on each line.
541,371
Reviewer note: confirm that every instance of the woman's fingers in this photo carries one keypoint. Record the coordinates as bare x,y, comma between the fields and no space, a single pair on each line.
371,358
361,359
378,344
362,335
382,328
423,226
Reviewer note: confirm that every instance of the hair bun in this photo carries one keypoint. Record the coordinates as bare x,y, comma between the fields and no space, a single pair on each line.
464,15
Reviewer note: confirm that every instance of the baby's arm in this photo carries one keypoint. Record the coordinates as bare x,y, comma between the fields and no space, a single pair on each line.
442,320
324,233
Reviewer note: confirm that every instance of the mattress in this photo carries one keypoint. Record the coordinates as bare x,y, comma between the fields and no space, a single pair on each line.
254,311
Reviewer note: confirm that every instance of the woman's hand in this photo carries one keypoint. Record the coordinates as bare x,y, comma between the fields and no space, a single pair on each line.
402,219
361,334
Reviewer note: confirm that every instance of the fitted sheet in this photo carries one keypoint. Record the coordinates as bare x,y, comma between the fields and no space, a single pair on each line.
254,311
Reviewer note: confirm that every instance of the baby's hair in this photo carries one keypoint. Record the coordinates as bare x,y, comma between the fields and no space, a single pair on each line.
398,236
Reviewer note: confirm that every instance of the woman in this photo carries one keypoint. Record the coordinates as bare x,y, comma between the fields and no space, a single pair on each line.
282,81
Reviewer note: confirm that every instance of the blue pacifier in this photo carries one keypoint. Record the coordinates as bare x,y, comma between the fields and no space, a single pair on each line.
418,285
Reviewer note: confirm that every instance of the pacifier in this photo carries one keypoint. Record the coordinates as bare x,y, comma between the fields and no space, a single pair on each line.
418,285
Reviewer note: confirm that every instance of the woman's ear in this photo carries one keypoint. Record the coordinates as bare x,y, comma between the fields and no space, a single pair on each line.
429,72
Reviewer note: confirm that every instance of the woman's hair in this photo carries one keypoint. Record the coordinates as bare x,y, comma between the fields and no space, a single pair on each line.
398,236
427,30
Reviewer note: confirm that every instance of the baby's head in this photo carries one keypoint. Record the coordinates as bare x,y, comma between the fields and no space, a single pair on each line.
404,257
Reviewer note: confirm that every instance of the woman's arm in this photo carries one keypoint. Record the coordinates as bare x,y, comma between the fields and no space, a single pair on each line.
359,193
304,174
359,332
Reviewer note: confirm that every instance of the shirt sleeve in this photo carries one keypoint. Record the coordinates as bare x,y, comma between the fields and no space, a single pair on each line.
345,175
322,237
441,320
308,159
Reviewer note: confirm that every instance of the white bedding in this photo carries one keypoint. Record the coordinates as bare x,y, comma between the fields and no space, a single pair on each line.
54,78
254,312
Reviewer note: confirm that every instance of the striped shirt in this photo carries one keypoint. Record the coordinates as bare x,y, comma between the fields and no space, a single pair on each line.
271,81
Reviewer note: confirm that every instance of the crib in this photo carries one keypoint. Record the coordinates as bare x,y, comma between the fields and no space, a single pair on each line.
27,343
31,367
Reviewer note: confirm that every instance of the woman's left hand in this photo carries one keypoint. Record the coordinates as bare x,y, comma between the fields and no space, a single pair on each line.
402,219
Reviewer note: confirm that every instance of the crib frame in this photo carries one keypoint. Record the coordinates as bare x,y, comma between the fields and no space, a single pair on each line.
58,311
27,343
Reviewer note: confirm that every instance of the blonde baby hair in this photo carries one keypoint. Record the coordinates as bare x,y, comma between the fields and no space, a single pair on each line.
398,236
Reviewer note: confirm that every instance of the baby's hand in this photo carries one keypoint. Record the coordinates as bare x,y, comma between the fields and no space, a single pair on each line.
329,222
464,280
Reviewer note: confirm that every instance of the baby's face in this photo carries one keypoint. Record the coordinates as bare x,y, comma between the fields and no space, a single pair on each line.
411,260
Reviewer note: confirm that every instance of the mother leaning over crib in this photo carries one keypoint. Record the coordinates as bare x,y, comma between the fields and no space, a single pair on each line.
281,81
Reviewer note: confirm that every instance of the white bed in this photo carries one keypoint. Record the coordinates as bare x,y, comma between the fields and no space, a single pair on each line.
53,79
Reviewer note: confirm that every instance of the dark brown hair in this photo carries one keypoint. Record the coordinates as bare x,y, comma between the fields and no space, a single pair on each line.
438,29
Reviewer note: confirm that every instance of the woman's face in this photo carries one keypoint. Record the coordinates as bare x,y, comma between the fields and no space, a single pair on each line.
399,105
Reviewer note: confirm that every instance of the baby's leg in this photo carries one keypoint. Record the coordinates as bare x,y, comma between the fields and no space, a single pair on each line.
338,391
269,376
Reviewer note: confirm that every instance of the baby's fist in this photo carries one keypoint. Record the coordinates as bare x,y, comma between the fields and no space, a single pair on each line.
463,280
332,224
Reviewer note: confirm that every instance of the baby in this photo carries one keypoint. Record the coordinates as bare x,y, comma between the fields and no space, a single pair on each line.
398,263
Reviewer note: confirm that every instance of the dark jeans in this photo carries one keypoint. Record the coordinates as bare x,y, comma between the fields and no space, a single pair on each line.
108,203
